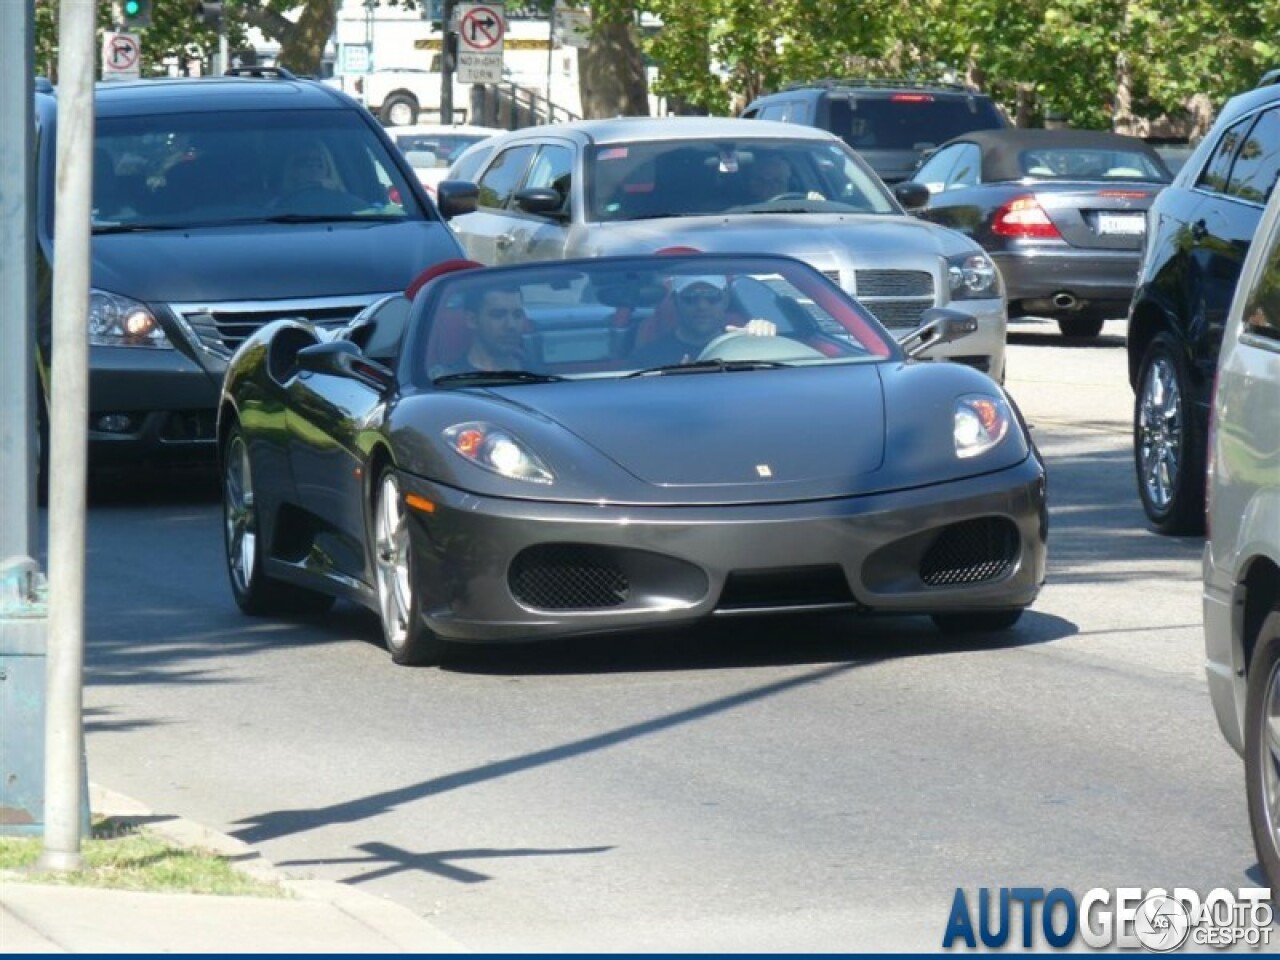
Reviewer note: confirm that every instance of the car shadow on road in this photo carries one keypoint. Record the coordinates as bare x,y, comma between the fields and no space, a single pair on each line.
1050,336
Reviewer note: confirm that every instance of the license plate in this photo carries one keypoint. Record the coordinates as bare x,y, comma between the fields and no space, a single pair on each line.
1122,224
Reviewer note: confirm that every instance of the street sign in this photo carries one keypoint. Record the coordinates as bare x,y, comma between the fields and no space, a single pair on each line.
121,56
481,27
355,58
573,27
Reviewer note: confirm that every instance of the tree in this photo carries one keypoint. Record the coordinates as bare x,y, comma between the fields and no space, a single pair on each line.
302,39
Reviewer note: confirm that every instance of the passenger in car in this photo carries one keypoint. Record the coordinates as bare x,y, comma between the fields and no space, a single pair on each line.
701,308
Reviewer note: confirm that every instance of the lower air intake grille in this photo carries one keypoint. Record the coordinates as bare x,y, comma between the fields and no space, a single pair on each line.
568,577
789,587
973,551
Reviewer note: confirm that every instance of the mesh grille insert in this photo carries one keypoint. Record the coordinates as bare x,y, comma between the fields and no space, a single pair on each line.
568,576
973,551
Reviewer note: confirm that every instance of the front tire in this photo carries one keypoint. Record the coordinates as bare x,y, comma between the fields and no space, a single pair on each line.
399,110
1262,747
1168,442
255,593
408,639
978,621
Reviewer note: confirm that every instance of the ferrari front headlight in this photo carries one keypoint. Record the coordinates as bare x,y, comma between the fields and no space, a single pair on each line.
116,321
498,450
981,422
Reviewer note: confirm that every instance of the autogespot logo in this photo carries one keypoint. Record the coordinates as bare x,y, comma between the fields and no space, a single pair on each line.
1126,918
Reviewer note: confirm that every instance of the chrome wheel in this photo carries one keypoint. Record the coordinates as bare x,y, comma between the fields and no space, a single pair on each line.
391,558
1161,433
1270,757
400,114
239,516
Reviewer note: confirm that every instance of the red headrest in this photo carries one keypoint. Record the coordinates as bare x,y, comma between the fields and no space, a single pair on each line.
438,270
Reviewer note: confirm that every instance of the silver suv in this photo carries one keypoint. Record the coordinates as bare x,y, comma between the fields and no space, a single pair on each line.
724,185
1242,555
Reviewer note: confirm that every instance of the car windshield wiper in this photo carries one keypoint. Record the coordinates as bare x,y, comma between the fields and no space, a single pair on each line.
709,366
472,377
137,227
666,215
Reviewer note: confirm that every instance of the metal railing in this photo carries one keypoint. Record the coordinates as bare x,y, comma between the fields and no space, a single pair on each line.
510,106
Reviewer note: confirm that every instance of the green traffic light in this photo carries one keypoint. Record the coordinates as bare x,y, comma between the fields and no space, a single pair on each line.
131,7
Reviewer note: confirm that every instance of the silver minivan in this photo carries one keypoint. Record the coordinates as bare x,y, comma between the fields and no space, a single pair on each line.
1242,554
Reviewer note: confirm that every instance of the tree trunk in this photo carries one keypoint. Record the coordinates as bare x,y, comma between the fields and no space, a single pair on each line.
611,75
301,42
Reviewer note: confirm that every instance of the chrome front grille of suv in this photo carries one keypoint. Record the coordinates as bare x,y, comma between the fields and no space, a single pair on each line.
896,297
220,327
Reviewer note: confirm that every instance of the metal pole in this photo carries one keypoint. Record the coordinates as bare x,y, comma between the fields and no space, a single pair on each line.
68,431
446,64
551,46
17,281
224,50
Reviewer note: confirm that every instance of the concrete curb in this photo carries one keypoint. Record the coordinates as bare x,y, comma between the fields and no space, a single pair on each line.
399,925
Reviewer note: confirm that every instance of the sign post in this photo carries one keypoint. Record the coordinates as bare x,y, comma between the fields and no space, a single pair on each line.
121,56
481,27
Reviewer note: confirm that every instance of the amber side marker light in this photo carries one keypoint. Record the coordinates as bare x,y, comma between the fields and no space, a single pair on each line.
420,503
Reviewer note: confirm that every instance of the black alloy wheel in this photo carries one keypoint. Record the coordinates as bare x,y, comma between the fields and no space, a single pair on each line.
1168,442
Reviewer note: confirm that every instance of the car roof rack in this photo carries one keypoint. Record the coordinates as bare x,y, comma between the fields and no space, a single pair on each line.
274,73
883,82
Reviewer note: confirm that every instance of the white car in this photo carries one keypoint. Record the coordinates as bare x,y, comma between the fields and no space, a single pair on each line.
1242,554
431,148
637,185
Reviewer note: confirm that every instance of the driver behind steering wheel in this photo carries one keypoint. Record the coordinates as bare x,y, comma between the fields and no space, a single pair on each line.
769,178
701,303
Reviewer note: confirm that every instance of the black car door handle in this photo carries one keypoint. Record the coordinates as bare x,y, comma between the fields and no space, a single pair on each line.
1199,231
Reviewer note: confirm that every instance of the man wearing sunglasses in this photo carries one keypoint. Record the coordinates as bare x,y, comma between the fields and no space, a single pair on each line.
702,314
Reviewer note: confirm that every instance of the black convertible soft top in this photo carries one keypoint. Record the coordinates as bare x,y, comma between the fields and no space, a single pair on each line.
1002,150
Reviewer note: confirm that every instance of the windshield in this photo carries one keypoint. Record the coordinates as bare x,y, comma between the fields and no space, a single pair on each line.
207,169
677,178
435,151
615,317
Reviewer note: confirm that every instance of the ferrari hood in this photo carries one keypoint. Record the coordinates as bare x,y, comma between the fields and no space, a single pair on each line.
719,431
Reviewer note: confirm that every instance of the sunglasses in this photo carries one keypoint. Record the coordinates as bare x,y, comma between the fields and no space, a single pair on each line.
698,296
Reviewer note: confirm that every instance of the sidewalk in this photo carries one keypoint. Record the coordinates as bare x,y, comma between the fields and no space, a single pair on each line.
320,917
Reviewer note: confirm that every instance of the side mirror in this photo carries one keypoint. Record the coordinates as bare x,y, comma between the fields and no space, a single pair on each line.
542,201
937,325
912,194
342,358
456,197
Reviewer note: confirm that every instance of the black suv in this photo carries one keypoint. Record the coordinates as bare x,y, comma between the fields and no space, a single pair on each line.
1199,230
220,204
891,123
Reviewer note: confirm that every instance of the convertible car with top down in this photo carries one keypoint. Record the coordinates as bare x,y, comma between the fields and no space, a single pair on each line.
585,446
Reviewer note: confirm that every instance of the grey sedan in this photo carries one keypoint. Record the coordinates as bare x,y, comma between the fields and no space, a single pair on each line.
639,185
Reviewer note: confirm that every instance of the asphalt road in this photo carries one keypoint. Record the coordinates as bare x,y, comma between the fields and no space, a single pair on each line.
790,785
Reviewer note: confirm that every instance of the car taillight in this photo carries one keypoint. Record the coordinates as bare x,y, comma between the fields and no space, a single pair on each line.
911,98
1024,217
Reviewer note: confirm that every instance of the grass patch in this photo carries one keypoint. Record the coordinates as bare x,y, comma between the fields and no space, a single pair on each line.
122,856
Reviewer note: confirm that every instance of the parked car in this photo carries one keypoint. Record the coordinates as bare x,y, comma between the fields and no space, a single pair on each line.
637,185
893,124
432,148
586,491
1199,231
1242,554
1061,212
220,204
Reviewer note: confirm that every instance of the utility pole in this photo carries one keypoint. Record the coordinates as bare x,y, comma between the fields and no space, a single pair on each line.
448,47
68,433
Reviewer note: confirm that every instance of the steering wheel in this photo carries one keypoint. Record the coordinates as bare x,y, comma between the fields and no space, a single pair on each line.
316,199
739,345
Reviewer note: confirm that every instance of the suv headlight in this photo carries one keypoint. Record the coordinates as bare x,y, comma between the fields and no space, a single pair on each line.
973,276
116,321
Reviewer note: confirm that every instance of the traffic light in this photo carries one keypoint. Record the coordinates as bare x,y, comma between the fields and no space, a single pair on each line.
210,11
135,14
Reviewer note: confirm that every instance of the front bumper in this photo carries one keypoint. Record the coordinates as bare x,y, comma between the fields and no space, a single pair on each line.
1091,276
149,404
499,570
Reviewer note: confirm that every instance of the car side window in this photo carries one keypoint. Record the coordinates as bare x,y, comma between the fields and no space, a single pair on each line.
1217,172
784,112
935,171
500,180
1254,175
553,168
968,167
1262,302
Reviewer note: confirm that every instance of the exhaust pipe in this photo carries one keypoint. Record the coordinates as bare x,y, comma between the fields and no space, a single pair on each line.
1065,301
